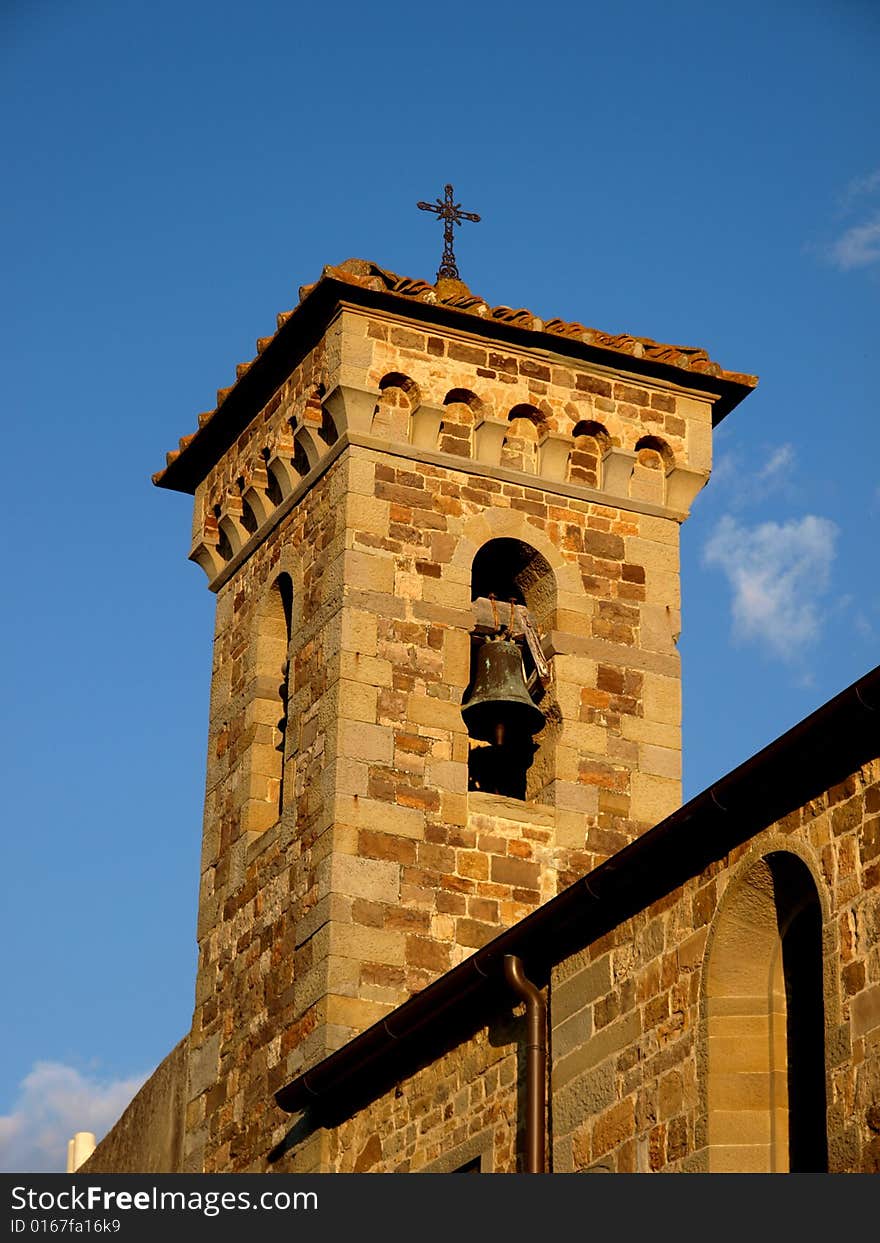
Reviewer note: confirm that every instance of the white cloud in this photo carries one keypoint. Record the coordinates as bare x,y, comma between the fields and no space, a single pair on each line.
54,1101
859,188
749,481
780,459
778,573
863,625
858,247
725,470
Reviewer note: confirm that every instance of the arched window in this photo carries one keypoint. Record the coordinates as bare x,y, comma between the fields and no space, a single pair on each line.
766,1031
273,645
515,760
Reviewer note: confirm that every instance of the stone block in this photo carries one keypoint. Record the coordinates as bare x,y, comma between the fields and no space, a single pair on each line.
740,1159
379,816
367,515
661,699
507,871
446,775
456,658
373,744
582,800
363,668
659,531
747,1090
361,468
601,1045
374,879
435,713
866,1011
581,989
369,571
572,1032
357,702
660,761
582,1099
663,588
354,1012
369,944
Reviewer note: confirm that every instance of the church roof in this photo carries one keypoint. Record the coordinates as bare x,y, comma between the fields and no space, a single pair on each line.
818,754
449,302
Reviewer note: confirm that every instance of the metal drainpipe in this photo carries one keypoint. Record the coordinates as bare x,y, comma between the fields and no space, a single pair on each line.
536,1061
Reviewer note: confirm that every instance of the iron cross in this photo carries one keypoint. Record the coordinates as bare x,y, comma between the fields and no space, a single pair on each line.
451,214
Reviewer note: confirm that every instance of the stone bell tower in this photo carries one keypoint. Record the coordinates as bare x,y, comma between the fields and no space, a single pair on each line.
402,484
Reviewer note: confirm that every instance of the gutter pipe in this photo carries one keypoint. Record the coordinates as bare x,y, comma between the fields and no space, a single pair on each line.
536,1062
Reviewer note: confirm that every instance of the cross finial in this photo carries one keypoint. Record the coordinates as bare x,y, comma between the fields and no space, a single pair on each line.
451,214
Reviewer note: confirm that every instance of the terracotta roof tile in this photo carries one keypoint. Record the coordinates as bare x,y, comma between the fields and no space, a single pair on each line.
455,294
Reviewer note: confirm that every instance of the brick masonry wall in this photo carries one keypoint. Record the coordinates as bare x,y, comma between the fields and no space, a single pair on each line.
629,1033
629,1021
382,871
259,871
465,1104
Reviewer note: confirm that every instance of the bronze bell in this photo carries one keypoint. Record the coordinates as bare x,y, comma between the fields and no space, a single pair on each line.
500,708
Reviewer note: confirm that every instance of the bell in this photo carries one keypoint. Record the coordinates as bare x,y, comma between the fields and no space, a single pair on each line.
500,708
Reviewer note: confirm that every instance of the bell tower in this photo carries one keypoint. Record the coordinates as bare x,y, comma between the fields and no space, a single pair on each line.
443,537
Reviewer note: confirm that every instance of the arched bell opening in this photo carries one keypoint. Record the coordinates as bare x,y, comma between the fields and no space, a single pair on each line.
508,707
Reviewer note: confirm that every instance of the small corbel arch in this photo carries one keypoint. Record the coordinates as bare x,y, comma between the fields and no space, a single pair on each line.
399,397
464,397
654,453
591,442
526,427
523,413
462,411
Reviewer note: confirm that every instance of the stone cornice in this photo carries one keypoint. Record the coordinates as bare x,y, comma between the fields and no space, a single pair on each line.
351,410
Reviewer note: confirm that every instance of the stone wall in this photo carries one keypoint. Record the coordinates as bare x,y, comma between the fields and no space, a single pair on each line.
148,1138
350,871
632,1016
634,1031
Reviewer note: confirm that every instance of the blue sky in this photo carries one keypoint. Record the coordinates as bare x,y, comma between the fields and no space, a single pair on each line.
700,173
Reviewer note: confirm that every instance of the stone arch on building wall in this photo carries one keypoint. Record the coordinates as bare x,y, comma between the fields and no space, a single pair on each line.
513,524
271,710
764,1021
399,398
514,570
462,410
654,460
654,453
591,442
527,426
519,580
